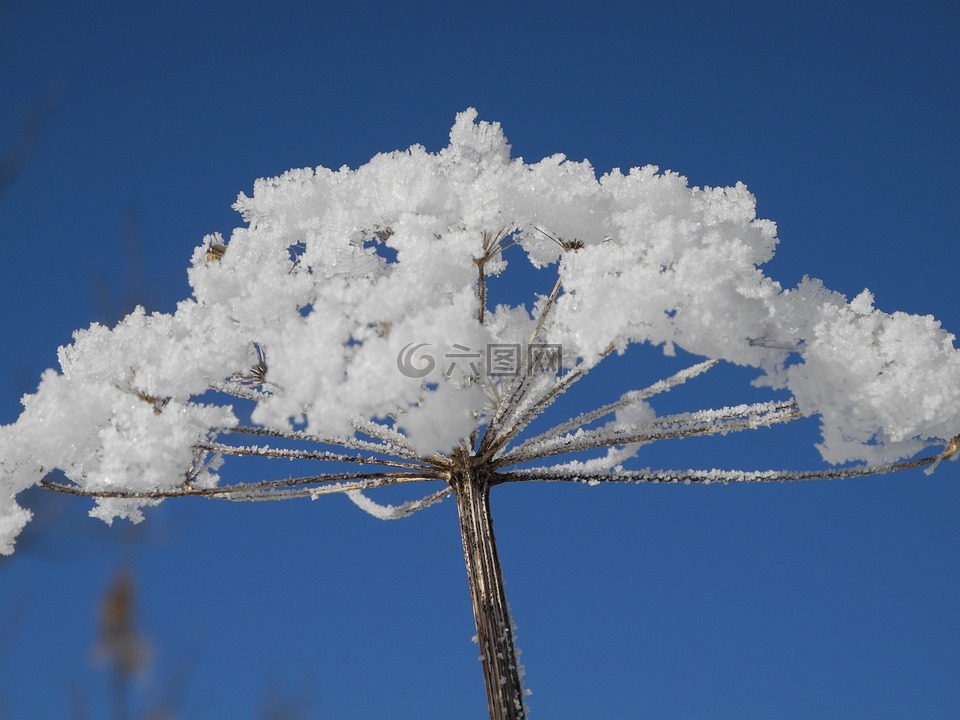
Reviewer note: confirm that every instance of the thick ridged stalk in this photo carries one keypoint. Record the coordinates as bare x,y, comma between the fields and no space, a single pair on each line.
498,653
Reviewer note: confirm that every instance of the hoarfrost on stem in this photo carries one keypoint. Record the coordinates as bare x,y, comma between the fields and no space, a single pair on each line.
305,310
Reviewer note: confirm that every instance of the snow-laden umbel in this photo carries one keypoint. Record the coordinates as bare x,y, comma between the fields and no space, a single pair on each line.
347,292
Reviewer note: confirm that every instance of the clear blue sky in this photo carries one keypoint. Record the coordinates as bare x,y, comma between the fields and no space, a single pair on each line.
796,601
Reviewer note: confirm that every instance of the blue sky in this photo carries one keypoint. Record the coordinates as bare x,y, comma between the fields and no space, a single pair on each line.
828,600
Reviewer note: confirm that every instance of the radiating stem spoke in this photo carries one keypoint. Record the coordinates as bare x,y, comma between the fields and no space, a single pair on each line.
385,447
340,482
702,477
625,400
292,454
519,383
707,422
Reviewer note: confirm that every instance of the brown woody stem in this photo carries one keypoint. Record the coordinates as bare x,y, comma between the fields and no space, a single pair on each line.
498,652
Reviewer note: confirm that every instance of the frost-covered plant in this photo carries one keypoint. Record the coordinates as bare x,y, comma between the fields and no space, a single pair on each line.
349,323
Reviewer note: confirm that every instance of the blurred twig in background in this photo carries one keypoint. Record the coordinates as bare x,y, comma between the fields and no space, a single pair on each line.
32,120
119,644
118,295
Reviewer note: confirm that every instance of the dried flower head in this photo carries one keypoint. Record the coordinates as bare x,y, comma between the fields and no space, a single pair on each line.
573,244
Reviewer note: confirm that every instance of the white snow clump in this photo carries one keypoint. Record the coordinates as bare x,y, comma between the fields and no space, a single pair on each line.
336,272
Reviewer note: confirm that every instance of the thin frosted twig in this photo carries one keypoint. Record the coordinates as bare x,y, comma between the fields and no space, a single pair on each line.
535,335
614,457
226,491
528,412
482,292
382,432
532,392
950,452
511,398
492,246
197,464
347,442
290,454
239,390
705,422
507,404
495,440
315,492
537,407
396,512
519,383
701,477
626,399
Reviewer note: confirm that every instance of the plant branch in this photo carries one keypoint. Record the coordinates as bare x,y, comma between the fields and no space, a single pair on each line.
519,383
525,416
626,399
315,492
701,477
238,390
344,482
385,447
397,512
382,432
535,335
492,246
705,422
288,454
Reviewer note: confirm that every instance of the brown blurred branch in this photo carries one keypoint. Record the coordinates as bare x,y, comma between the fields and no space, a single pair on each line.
29,128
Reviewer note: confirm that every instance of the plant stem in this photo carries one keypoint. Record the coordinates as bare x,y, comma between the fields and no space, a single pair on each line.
498,653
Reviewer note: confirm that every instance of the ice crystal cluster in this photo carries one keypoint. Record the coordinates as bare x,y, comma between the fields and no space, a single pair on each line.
337,273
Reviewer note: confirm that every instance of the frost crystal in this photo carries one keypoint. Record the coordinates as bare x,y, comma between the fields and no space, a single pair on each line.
306,309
